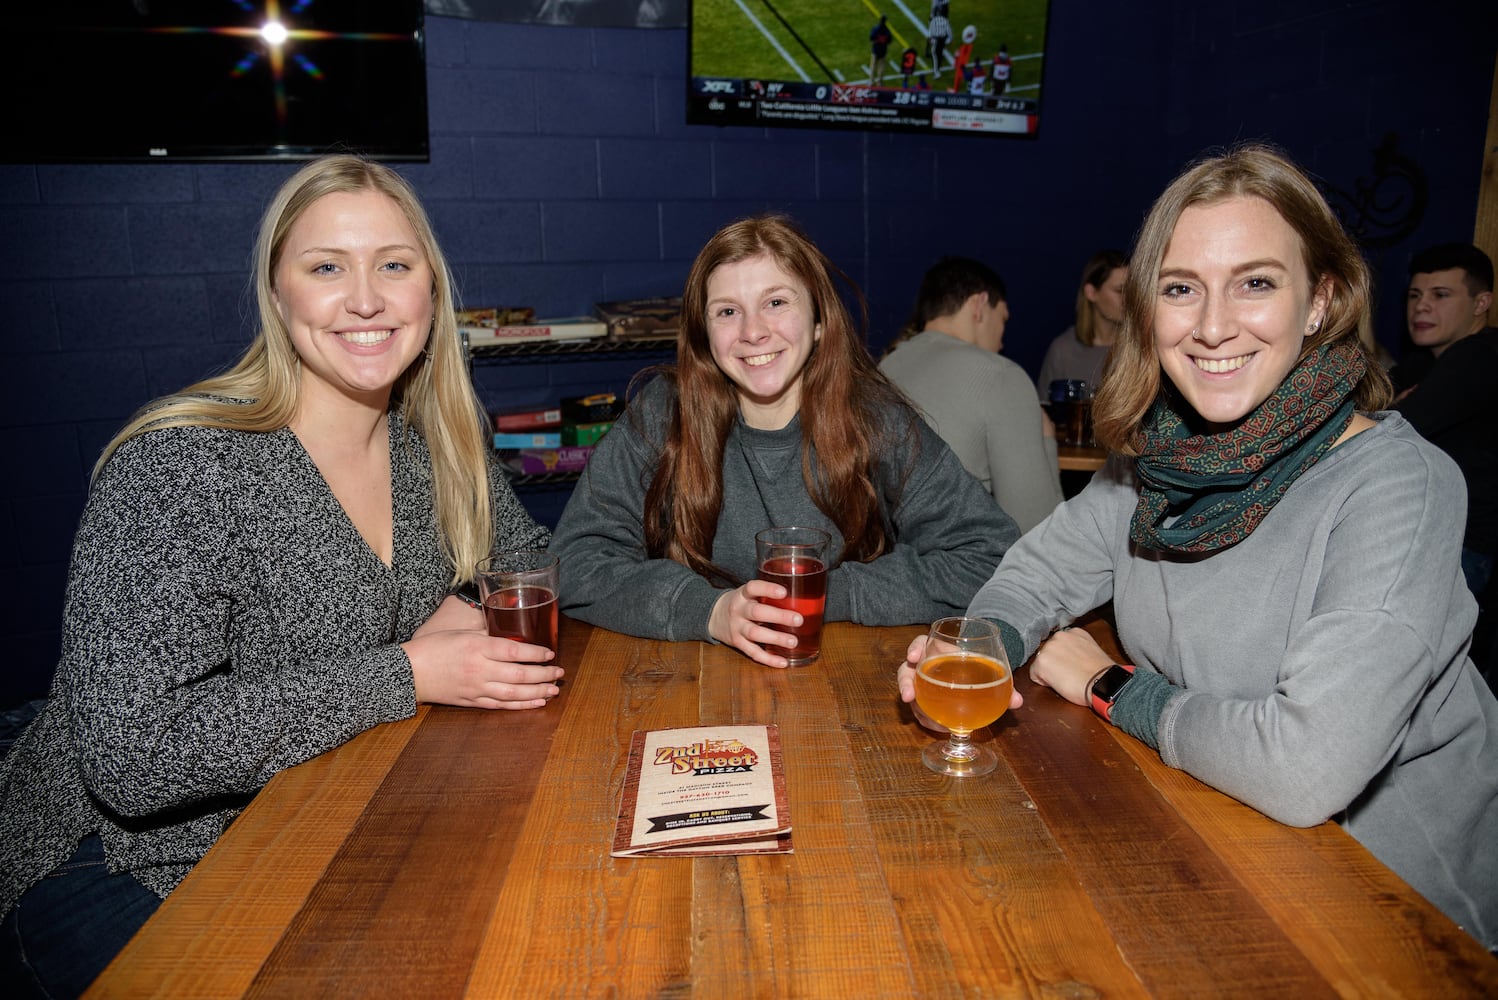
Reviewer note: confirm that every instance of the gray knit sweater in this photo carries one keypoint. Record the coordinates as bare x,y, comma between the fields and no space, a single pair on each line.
1319,666
224,620
948,532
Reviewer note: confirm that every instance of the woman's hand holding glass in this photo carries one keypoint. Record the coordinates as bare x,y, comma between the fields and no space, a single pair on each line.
455,661
963,681
905,678
742,620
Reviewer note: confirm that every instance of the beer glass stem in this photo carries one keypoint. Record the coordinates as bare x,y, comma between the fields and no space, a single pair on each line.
959,747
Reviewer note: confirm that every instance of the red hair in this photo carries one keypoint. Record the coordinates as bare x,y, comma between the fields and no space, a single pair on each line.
685,496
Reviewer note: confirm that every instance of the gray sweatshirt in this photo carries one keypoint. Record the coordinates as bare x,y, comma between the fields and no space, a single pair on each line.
1319,667
980,404
224,621
948,532
1069,358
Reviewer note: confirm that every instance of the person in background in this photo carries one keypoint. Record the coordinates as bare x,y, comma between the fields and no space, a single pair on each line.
1080,351
1003,68
907,68
1446,385
938,35
978,400
773,415
977,77
879,38
261,573
961,61
1283,559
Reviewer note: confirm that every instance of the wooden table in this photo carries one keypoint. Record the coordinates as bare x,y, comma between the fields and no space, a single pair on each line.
1072,458
466,853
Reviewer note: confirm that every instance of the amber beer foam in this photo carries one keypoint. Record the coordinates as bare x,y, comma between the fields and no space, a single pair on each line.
963,693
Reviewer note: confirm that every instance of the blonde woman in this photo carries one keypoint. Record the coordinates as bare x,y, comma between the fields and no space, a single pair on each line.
261,573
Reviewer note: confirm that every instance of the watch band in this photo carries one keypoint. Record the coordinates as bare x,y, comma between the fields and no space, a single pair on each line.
469,594
1107,686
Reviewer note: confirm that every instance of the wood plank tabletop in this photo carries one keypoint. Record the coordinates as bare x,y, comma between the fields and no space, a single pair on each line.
464,853
1076,458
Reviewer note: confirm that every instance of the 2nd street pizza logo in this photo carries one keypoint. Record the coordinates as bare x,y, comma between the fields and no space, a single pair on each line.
707,757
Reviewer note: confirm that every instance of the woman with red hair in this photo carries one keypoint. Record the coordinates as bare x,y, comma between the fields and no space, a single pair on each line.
774,414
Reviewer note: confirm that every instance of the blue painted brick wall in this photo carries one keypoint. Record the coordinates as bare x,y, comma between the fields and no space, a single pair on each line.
563,173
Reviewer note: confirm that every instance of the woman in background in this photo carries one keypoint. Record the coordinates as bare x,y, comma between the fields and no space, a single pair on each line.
1079,352
261,573
1283,559
774,414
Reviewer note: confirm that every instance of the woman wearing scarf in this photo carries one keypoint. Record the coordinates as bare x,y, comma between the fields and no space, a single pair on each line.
1283,559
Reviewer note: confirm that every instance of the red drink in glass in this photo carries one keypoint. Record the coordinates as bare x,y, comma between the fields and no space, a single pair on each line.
805,583
527,614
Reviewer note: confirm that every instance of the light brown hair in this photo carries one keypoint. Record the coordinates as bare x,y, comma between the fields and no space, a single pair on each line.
1132,380
1095,273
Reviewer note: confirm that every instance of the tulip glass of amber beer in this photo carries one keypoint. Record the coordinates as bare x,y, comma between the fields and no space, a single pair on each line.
519,591
963,682
796,558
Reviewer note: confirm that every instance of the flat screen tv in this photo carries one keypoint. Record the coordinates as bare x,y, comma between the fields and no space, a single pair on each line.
949,66
151,80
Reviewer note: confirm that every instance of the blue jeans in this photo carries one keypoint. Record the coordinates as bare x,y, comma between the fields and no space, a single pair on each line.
70,925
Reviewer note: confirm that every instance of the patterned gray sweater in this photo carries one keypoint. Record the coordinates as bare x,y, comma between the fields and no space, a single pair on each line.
224,620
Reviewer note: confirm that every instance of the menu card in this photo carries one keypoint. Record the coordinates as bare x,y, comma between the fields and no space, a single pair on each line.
704,790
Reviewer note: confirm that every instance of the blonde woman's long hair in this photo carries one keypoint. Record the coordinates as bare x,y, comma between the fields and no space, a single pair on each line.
1133,380
261,392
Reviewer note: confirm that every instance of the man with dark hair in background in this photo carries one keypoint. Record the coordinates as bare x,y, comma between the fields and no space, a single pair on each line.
1446,386
982,404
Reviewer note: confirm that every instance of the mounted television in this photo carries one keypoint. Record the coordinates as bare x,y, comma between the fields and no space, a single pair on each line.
150,80
950,66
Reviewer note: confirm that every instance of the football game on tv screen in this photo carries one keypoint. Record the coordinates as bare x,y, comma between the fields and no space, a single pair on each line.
946,66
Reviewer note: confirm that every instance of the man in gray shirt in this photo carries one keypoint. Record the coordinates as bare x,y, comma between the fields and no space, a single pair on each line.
981,403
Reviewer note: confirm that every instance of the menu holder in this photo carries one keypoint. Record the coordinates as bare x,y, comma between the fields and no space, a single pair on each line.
704,790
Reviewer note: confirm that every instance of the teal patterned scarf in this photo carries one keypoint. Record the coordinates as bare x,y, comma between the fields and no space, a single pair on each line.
1218,487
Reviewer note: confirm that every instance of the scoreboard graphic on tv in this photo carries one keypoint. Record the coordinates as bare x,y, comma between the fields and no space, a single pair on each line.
944,66
731,101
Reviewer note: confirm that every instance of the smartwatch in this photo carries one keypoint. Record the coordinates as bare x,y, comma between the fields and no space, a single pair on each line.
1107,686
469,594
